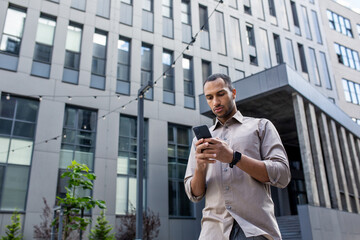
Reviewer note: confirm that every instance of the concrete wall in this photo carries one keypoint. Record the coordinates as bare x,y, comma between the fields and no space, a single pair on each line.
319,223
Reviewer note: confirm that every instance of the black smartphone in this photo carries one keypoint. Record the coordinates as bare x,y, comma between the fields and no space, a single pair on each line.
202,131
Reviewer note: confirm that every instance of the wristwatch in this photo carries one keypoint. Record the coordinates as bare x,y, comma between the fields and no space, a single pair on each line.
236,159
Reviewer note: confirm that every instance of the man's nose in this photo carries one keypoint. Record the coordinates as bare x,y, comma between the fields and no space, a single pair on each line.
216,101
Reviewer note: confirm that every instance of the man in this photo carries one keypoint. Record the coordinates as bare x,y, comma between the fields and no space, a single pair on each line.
234,170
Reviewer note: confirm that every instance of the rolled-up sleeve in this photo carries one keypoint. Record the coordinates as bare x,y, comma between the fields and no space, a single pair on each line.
190,169
274,155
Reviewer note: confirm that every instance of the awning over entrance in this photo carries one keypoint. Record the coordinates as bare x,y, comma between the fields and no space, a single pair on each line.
326,138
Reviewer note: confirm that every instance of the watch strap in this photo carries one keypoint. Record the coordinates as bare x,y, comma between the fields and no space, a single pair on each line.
236,158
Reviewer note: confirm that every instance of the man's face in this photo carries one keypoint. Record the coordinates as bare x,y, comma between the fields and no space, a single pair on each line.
220,99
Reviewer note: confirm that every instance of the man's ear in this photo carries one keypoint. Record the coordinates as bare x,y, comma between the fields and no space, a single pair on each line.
234,93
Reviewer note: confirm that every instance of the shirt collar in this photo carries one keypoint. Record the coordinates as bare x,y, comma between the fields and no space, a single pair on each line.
237,116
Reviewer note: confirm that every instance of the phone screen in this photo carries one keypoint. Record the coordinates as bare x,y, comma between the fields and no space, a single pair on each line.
202,132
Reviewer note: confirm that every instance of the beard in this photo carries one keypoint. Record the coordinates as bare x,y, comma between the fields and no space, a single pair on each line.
229,110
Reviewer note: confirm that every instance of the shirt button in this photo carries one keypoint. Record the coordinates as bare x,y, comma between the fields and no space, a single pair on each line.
228,207
225,139
225,169
226,127
227,188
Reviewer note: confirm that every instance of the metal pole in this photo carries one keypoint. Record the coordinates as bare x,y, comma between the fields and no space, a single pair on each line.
140,160
60,222
139,171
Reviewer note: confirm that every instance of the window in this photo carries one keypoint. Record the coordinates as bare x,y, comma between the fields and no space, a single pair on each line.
290,53
206,69
302,58
43,46
278,52
356,120
223,69
235,39
283,14
127,164
189,93
238,75
72,53
146,68
295,18
339,23
250,37
264,48
168,81
233,4
272,10
317,28
78,143
103,8
147,16
186,21
347,56
179,144
18,118
358,29
98,68
126,11
167,12
204,25
11,38
220,32
325,70
123,67
78,4
247,7
314,70
306,22
351,91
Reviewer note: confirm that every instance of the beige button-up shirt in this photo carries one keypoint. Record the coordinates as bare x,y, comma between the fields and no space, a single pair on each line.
233,194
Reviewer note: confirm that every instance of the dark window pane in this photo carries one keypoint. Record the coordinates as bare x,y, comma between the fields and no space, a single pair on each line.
186,207
7,107
72,60
10,44
27,109
99,51
42,53
22,129
5,126
98,66
172,198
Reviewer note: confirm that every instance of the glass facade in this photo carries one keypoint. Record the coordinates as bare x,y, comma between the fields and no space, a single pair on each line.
179,144
127,164
186,21
147,68
351,91
72,53
43,46
189,92
147,15
11,37
220,32
98,67
204,26
347,56
168,79
167,13
123,67
78,143
339,23
18,119
126,12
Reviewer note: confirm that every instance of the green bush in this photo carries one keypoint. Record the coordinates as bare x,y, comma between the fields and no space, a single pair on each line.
102,229
13,231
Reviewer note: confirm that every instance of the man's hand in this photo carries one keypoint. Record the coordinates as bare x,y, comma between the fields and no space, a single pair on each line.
201,155
219,149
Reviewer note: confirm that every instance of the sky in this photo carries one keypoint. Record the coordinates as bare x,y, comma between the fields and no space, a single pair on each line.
353,4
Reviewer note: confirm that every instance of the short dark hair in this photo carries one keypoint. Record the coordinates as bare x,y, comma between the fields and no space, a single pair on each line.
225,77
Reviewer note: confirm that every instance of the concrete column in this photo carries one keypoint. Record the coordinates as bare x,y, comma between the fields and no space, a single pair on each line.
355,162
317,157
339,165
305,150
348,167
329,162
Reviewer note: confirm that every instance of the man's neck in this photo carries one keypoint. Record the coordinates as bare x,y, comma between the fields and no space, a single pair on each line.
229,116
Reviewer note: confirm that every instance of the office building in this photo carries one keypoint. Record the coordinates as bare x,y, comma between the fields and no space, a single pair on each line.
70,71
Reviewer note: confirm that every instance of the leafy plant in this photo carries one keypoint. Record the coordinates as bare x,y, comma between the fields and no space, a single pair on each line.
75,204
13,230
127,229
102,229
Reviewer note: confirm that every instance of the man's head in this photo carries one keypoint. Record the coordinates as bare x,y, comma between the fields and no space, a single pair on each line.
220,96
